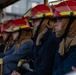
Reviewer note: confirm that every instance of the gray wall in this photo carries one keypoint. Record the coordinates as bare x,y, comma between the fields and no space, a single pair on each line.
20,7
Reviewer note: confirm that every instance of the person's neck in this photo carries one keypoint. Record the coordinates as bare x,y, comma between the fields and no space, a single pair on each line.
27,37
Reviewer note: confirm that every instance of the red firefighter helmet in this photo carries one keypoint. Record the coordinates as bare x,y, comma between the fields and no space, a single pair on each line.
17,24
41,11
6,25
70,0
66,8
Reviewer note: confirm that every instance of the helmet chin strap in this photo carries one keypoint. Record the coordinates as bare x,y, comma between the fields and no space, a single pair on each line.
66,33
49,21
68,27
32,34
18,36
31,29
37,31
8,38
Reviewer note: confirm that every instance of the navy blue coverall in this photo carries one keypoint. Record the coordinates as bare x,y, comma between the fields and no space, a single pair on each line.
10,61
44,55
10,50
63,64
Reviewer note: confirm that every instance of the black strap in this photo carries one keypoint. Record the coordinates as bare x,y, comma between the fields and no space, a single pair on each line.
31,30
30,24
37,31
66,33
18,36
68,27
49,21
8,38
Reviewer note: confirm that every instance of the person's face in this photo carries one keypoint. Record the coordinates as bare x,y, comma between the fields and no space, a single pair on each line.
15,35
58,25
35,23
5,36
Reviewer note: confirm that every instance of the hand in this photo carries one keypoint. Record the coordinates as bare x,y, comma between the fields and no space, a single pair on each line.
26,66
73,68
15,73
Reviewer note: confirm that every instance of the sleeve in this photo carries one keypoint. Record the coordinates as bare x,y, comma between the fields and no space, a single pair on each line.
66,65
7,53
59,72
22,52
10,51
2,55
56,61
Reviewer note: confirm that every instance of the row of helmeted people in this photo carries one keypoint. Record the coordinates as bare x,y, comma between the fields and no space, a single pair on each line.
45,37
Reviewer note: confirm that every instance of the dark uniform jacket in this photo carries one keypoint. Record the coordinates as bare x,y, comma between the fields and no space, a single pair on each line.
63,64
10,61
10,50
44,55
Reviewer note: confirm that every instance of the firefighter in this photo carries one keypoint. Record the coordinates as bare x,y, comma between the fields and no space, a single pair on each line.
21,32
65,29
7,38
44,41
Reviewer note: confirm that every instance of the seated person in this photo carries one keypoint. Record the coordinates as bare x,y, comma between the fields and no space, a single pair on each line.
65,29
7,38
21,32
45,42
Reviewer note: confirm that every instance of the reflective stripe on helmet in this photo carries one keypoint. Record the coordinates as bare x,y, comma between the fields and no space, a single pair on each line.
18,28
67,13
46,14
21,27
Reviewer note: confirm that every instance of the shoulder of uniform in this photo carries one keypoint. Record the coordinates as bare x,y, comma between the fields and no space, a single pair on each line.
26,40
